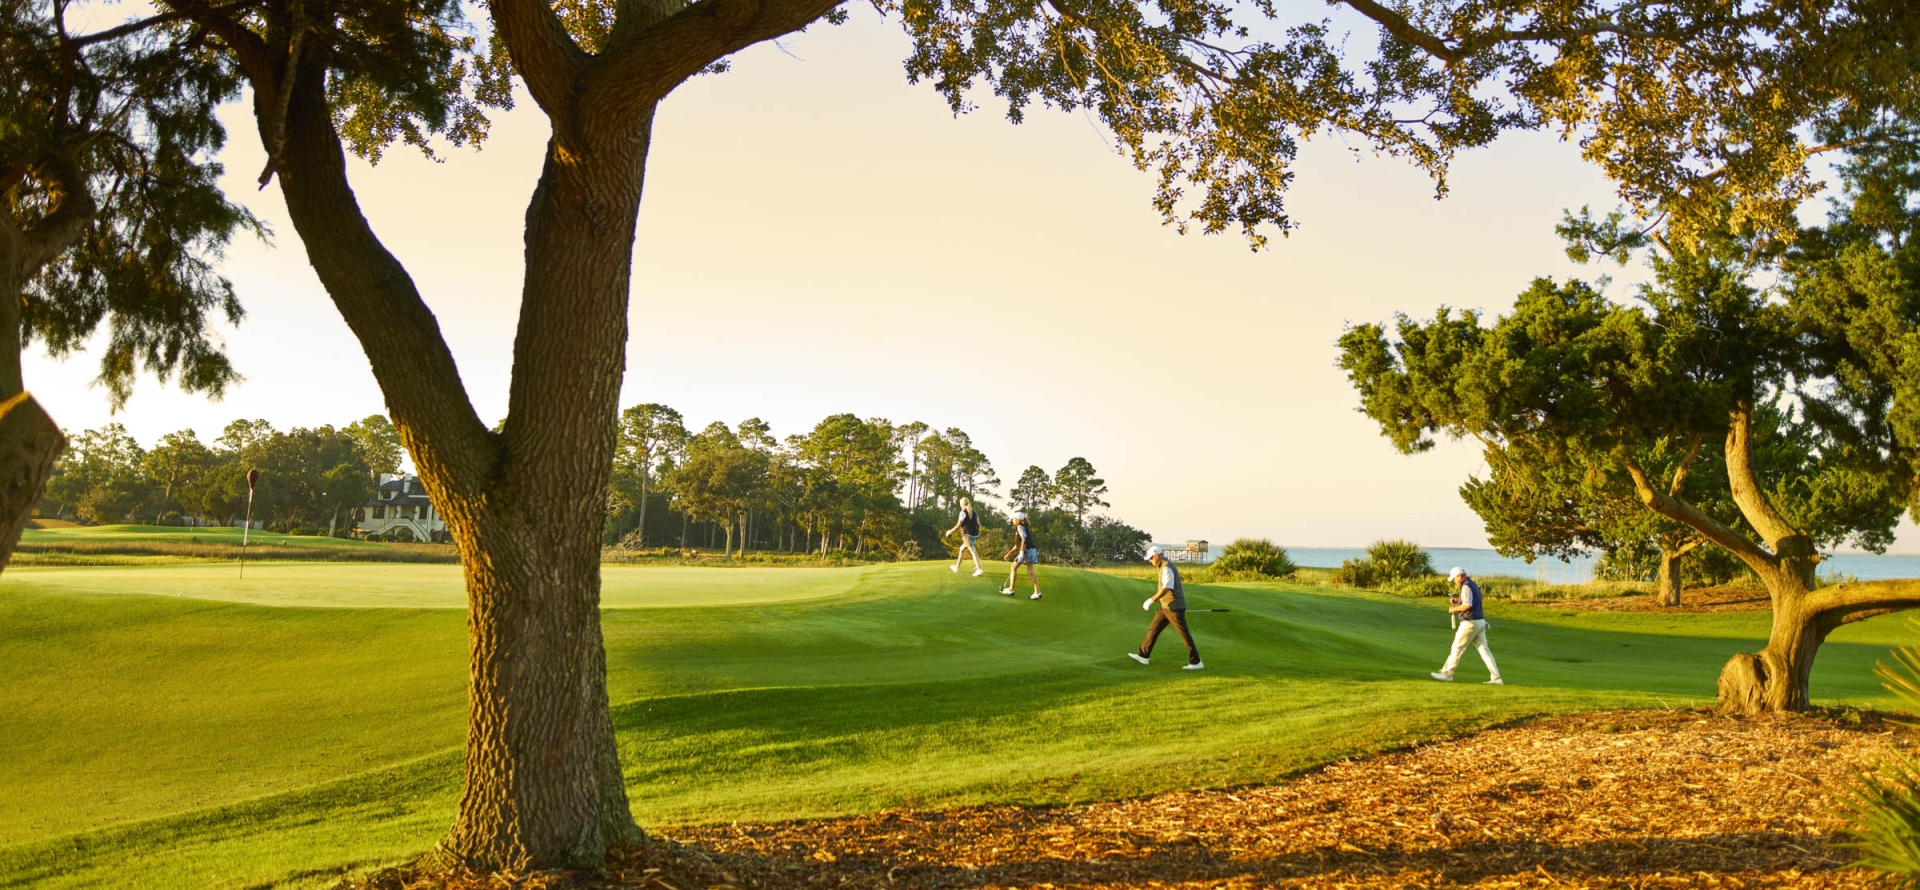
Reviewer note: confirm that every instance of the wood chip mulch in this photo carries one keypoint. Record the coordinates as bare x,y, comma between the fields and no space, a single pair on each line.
1621,799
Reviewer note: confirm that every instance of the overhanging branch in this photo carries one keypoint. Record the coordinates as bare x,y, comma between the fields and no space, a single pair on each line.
631,77
1697,519
1397,25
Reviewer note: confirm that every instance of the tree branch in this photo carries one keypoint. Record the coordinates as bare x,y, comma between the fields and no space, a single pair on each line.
1397,25
1680,472
255,58
135,27
1747,492
377,298
543,53
634,75
1865,599
1697,519
73,210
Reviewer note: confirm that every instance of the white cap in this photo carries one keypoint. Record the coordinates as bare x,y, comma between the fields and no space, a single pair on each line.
1153,552
1455,572
1019,515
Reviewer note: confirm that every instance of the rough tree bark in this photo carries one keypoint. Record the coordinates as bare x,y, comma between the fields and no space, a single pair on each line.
30,442
524,506
1777,677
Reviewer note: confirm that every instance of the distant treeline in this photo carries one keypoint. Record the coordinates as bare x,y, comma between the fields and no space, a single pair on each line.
309,478
849,484
858,486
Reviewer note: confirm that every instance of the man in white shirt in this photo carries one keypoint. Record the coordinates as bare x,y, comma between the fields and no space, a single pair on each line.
1172,599
1472,630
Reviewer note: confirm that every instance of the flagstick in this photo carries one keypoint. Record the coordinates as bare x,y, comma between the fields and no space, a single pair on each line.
244,531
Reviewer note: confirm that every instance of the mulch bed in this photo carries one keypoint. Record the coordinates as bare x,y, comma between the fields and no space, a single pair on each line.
1622,799
1704,599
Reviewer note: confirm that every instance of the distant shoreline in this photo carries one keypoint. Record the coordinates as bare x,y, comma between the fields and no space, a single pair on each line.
1486,562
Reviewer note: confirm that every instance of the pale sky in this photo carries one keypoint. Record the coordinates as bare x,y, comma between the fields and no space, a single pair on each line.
818,236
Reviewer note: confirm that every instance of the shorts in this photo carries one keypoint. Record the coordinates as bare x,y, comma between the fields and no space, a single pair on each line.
1030,557
969,539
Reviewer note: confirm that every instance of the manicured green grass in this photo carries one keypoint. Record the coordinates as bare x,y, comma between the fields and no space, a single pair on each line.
177,727
176,535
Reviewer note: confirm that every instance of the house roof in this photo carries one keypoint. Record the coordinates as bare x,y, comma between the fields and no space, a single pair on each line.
404,491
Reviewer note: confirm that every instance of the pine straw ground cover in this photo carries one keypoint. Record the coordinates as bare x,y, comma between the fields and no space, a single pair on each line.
1704,599
1623,799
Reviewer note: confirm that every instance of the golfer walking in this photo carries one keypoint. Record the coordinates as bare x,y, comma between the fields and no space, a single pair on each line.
1472,630
968,525
1172,600
1025,552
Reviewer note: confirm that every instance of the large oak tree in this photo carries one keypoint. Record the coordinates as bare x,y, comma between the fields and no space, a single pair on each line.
1672,96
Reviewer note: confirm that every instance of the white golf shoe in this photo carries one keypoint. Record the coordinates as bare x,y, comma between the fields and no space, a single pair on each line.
1496,682
1035,596
1196,666
955,568
1137,657
1444,678
976,572
1007,590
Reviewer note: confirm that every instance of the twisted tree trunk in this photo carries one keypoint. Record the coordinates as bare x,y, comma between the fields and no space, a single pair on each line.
1777,677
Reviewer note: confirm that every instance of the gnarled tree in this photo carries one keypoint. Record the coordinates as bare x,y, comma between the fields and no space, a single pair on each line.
1806,393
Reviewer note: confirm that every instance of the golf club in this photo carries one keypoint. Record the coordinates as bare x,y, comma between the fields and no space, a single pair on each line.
1191,611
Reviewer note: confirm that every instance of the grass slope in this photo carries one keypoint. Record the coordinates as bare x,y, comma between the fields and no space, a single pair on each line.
221,738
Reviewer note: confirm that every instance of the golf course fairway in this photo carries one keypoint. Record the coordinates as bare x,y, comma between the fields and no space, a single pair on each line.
178,726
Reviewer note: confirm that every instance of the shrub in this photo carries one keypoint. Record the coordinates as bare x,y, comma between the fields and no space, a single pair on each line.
1254,558
1397,560
1111,540
1882,807
1424,585
1354,573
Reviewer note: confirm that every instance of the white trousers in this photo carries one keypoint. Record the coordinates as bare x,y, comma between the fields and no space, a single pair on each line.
1474,634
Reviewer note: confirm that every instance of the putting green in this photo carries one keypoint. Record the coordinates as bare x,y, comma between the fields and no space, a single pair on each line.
221,738
123,534
381,585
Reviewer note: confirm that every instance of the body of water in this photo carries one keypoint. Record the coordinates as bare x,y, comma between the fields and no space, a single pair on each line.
1485,563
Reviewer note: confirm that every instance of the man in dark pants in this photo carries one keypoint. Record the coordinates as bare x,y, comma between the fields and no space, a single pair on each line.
1172,600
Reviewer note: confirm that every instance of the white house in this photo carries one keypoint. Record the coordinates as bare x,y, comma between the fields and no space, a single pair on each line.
401,503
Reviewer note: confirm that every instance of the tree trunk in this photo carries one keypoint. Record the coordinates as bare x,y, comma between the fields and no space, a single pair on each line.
641,532
30,442
1670,580
1777,677
525,506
